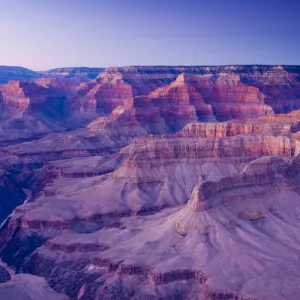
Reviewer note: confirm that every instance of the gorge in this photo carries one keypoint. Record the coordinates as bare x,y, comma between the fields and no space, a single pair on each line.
150,182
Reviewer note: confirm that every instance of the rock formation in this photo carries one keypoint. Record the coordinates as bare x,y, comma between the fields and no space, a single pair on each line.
180,104
151,183
219,245
181,94
28,287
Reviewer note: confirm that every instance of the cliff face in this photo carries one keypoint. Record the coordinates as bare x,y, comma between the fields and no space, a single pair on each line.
158,76
23,95
232,91
229,97
196,93
107,95
144,193
194,246
281,88
29,110
277,125
179,104
14,98
180,94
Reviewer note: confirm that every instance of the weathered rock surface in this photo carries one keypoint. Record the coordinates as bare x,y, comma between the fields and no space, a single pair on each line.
232,234
28,287
157,76
154,198
181,95
222,92
272,124
180,104
29,110
229,97
105,94
281,88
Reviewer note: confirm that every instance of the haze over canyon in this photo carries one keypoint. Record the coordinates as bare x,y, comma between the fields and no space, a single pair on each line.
150,182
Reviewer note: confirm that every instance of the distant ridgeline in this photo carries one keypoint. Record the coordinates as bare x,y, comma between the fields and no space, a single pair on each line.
8,73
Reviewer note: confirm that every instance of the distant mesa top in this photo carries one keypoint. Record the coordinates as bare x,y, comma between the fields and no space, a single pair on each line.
8,73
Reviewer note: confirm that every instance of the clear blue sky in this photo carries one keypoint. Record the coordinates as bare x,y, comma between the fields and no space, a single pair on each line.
43,34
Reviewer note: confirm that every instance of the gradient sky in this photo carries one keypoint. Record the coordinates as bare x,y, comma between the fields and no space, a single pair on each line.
43,34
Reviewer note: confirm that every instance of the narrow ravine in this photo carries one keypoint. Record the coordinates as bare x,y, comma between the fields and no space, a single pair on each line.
28,196
8,269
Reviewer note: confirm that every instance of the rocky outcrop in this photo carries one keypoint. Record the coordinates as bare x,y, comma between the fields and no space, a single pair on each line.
179,104
260,178
146,202
259,172
14,98
157,76
140,116
178,95
22,95
229,97
281,87
146,168
28,287
105,95
194,246
226,129
161,151
30,110
254,90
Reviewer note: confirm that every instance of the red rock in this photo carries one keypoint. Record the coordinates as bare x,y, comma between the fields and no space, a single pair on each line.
179,104
62,85
105,94
124,208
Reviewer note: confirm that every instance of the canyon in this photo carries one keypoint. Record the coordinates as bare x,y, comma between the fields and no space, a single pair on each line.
155,182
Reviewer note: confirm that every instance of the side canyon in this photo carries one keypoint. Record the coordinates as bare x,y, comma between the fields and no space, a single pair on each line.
150,183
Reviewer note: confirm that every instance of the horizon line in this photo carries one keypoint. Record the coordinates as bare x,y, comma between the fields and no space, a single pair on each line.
154,65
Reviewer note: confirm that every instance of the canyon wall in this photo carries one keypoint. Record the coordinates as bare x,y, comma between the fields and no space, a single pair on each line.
152,183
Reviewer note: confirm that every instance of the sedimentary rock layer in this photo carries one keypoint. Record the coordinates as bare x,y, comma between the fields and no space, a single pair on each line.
161,182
